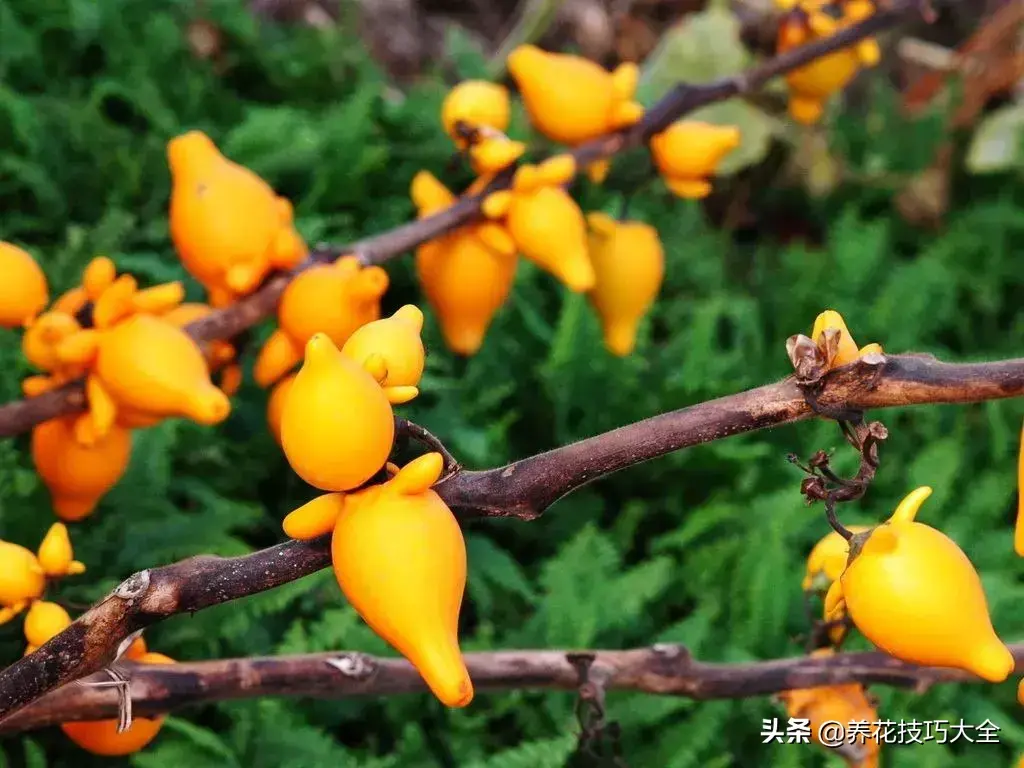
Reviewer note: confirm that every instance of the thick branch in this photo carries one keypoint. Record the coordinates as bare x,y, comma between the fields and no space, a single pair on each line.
523,489
21,415
661,669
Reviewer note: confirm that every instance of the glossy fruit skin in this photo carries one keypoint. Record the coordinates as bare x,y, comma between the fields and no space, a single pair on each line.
337,426
466,283
21,576
55,554
153,367
78,476
43,621
24,292
571,99
549,229
629,266
688,152
465,275
391,350
333,299
400,558
229,227
477,103
913,592
100,737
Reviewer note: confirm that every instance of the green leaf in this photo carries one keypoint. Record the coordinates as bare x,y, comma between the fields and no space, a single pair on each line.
35,757
702,47
998,141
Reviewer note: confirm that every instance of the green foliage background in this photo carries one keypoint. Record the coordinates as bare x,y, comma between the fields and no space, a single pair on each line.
704,547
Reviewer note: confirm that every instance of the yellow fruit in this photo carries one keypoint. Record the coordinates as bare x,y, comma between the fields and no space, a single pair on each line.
23,290
688,152
466,283
100,737
333,299
143,365
812,85
337,426
400,558
842,704
78,476
912,592
571,99
477,104
21,579
43,621
55,554
228,226
391,350
549,229
846,348
275,405
629,265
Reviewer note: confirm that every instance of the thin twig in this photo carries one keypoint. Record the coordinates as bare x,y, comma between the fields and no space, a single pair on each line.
661,669
523,489
21,415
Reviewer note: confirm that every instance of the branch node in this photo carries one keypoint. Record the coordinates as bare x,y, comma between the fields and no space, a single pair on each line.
132,587
358,666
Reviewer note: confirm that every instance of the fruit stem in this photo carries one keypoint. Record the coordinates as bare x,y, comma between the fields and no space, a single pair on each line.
833,520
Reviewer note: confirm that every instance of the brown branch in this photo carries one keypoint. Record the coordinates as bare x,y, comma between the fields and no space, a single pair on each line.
21,415
523,489
660,669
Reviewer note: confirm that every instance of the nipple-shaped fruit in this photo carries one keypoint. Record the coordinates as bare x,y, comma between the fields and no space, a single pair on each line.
43,621
76,475
475,114
146,366
41,340
571,99
466,282
400,558
1018,533
912,592
391,350
629,265
21,579
23,290
811,85
55,555
228,226
101,737
337,426
333,299
549,229
688,152
476,104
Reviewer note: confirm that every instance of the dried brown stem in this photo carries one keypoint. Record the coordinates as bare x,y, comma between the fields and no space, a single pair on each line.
661,669
21,415
523,489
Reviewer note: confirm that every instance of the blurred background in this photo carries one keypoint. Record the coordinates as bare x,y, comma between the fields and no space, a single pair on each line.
904,210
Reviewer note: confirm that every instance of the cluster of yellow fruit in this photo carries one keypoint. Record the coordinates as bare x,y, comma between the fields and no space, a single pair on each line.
806,21
139,365
467,274
24,576
906,586
398,552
